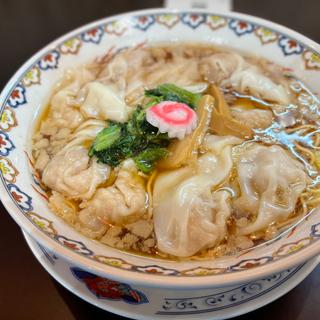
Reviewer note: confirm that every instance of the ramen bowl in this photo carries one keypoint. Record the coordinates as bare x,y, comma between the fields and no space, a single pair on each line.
29,90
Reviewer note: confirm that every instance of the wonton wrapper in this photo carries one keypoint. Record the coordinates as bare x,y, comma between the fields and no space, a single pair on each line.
271,182
122,202
188,217
102,102
73,174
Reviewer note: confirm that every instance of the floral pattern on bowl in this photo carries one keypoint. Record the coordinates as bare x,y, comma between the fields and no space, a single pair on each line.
104,288
19,104
139,302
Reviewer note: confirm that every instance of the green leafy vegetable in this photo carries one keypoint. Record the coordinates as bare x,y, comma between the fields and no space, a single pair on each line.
122,141
106,138
170,92
145,160
137,138
126,147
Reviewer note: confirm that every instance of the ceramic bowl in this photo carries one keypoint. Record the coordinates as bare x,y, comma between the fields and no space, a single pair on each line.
143,303
29,89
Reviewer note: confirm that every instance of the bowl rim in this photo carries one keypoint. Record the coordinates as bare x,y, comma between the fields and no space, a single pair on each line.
145,279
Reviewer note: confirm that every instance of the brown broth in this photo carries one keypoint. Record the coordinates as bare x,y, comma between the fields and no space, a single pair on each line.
287,137
44,114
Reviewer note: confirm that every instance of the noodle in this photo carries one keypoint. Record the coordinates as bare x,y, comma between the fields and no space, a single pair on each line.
304,127
118,177
309,153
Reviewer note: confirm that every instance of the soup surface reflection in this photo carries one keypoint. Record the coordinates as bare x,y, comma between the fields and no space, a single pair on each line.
180,151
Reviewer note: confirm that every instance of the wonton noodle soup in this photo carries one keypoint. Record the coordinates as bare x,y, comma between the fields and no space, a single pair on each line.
180,151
